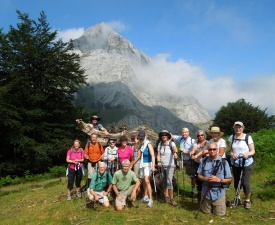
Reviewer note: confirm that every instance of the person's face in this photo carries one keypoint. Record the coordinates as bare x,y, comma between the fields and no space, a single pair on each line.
215,136
93,138
238,129
140,141
102,168
123,143
164,137
76,144
212,150
94,121
200,137
126,168
185,134
112,143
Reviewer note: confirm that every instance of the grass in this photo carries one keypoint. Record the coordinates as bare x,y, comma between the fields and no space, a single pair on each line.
45,203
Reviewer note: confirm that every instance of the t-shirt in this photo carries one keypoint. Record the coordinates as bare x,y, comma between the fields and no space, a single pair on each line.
239,146
186,144
206,169
166,154
79,154
124,181
100,181
125,154
220,144
200,147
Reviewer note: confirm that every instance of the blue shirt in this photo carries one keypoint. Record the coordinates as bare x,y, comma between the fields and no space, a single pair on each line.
146,155
185,144
206,169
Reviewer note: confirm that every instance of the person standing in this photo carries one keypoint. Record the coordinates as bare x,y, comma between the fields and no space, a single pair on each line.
241,151
110,155
147,164
197,154
214,173
216,135
186,146
124,151
167,153
75,158
123,187
94,152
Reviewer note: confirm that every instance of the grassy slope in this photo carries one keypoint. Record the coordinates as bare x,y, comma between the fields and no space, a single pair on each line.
45,203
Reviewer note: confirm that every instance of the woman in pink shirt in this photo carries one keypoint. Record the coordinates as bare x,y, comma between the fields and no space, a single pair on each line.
124,151
75,157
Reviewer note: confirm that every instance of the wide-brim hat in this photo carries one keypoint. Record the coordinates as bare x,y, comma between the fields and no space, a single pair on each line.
215,130
95,118
165,132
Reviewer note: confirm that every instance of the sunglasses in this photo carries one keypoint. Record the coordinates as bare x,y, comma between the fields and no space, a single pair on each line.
212,149
111,142
164,135
200,135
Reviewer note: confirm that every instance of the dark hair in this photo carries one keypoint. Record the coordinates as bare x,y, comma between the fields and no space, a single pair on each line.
123,138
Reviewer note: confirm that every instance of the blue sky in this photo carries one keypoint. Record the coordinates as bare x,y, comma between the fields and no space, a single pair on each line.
230,43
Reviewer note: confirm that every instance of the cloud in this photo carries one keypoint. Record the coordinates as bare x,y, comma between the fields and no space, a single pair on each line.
181,78
72,33
117,25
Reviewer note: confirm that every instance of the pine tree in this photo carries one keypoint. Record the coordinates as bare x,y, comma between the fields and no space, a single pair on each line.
39,76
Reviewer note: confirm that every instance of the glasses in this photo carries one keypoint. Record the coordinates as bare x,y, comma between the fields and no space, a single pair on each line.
200,135
212,149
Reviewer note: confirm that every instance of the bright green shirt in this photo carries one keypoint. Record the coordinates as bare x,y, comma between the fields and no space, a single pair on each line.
123,182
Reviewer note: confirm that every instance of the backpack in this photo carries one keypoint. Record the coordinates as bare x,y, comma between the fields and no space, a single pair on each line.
223,164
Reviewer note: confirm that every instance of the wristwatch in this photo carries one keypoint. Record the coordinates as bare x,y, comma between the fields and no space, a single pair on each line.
221,181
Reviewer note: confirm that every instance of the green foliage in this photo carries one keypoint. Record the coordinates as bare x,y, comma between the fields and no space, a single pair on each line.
39,77
57,171
253,117
268,187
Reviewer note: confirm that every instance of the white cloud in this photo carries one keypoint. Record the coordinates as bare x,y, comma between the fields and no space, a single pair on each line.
72,33
117,25
184,79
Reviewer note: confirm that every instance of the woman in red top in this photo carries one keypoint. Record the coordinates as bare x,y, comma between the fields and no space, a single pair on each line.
124,151
75,157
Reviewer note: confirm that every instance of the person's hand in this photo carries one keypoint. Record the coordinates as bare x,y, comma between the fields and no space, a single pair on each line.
233,155
153,169
133,195
159,164
213,179
105,193
193,156
96,197
245,156
120,197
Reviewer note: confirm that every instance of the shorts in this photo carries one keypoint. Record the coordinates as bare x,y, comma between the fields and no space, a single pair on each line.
145,170
101,197
125,194
190,167
217,206
136,169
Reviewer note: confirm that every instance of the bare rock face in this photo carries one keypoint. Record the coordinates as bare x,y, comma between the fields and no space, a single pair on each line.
109,61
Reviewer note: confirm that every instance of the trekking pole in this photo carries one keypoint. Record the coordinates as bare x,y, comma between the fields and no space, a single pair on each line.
155,187
192,177
181,155
178,187
238,190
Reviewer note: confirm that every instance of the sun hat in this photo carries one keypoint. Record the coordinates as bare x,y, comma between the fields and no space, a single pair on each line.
215,130
238,123
95,117
141,135
165,132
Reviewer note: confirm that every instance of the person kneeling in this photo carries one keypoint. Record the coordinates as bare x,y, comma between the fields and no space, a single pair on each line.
100,181
214,174
122,185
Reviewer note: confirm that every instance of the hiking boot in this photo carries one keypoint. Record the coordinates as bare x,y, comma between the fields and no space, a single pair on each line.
78,194
150,203
69,198
247,204
173,202
144,199
167,199
134,204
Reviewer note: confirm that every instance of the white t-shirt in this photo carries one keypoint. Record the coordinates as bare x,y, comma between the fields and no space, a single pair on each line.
221,143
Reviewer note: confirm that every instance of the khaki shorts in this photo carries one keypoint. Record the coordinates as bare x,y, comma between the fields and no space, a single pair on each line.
125,195
217,206
101,197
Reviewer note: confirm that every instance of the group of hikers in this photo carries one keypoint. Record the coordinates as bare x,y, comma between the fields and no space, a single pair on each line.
127,169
